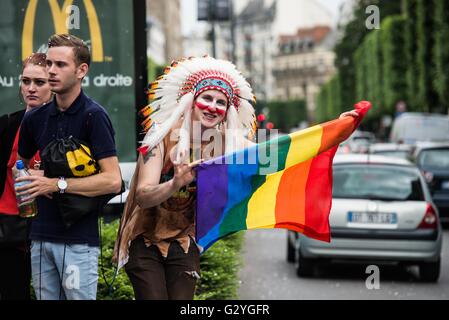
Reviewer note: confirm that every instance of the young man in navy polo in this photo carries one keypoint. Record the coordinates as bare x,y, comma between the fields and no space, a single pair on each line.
64,260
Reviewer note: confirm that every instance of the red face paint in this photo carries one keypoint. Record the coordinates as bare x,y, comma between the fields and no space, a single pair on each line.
201,106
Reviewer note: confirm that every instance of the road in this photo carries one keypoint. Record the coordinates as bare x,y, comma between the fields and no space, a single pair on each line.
267,275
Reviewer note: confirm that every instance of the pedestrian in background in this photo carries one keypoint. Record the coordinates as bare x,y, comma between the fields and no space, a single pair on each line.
64,260
15,266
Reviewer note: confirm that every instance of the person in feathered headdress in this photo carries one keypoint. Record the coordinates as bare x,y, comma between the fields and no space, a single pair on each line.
195,98
155,241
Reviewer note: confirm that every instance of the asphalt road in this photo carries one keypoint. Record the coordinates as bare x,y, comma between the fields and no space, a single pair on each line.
265,274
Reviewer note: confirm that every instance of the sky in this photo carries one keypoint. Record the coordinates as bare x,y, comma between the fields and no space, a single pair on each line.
189,13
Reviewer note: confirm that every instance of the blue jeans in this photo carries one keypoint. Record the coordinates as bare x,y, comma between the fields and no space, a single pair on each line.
79,279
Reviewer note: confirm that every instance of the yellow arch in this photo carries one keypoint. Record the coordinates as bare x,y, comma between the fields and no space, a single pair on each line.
59,15
95,32
28,29
59,21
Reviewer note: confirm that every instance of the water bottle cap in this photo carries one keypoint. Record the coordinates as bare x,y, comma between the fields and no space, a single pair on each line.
20,165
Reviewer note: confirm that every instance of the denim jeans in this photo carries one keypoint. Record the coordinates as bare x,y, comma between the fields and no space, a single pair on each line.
79,279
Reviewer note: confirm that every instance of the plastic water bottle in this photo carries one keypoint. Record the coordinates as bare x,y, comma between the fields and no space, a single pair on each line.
27,207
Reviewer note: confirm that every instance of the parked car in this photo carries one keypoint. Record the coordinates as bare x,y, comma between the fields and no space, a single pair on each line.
382,211
412,127
433,161
358,142
395,150
114,208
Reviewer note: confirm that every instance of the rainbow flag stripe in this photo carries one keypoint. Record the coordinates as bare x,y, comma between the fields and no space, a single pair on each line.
282,183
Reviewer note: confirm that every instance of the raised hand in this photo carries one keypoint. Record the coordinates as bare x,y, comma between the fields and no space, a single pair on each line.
184,175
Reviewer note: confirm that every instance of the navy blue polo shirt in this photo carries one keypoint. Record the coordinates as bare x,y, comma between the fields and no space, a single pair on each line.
86,120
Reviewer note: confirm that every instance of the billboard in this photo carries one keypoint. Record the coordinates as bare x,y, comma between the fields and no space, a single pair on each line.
107,26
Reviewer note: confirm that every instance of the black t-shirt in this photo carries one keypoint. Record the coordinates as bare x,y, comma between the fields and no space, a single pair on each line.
85,120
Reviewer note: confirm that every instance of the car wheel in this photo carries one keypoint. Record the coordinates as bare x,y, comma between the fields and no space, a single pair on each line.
304,267
430,271
290,250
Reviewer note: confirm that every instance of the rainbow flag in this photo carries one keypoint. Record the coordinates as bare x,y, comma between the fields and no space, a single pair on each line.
282,183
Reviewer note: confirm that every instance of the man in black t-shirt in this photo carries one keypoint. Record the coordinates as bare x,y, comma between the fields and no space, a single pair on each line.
65,260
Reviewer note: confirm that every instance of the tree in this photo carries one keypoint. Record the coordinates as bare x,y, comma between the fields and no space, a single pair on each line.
410,7
287,114
394,64
426,97
353,34
441,51
374,72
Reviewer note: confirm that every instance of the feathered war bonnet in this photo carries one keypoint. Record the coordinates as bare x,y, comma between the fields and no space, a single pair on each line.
172,94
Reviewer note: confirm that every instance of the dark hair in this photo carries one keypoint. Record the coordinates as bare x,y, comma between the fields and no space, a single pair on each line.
37,59
80,49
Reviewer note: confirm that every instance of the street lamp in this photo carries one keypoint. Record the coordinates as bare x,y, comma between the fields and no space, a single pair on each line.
214,11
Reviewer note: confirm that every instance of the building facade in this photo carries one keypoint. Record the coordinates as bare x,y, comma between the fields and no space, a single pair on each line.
255,46
304,62
168,14
155,40
259,28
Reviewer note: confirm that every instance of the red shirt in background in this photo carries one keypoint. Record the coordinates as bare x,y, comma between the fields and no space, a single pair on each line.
8,204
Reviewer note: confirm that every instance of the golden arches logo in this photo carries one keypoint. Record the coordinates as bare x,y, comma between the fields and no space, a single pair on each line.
59,21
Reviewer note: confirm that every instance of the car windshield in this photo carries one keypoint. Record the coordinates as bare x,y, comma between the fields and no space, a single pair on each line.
403,154
376,182
434,158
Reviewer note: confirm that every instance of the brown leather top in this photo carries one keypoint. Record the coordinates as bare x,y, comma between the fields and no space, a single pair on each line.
172,220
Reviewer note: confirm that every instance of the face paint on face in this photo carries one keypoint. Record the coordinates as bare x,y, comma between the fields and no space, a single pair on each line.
210,108
217,110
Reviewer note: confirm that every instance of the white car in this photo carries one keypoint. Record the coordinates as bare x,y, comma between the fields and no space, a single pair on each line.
411,127
381,211
115,206
358,142
396,150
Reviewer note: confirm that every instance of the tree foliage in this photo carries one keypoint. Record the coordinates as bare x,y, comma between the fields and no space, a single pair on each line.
441,51
394,64
407,59
426,97
353,34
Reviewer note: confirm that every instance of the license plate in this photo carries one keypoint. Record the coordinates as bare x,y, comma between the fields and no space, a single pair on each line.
372,217
445,185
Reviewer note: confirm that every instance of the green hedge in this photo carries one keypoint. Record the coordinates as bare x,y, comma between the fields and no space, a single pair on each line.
121,289
286,114
379,67
374,72
220,265
394,64
426,97
361,83
329,101
219,269
409,9
353,34
407,59
154,70
441,50
320,105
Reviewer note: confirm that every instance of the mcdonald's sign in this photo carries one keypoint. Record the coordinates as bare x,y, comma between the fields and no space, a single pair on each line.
60,16
115,30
